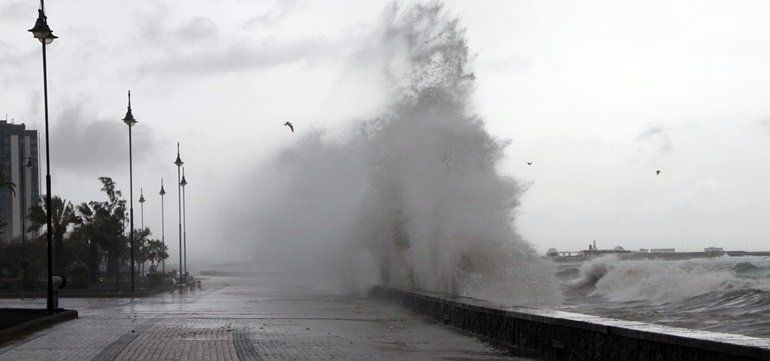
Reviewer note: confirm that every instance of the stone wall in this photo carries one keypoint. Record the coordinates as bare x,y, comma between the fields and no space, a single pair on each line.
577,337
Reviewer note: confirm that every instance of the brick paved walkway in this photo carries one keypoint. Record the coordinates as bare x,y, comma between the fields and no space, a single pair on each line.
236,319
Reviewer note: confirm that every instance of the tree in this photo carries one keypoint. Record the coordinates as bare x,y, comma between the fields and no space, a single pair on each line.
142,255
103,222
63,216
5,184
157,251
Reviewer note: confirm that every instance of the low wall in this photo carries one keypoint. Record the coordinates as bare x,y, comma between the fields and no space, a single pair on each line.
19,330
575,337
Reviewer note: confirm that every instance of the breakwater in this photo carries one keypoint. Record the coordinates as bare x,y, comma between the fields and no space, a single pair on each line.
576,337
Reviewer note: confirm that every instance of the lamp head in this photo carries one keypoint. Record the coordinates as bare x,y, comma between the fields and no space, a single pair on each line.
184,180
41,31
129,118
178,160
162,191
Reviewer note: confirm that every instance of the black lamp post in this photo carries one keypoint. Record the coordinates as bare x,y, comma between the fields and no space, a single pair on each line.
162,220
183,183
43,33
130,121
179,164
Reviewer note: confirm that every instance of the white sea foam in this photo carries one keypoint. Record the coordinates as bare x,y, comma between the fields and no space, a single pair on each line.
657,282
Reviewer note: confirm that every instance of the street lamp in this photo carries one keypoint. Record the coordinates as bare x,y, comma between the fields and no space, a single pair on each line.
179,164
141,205
45,35
162,220
183,183
130,121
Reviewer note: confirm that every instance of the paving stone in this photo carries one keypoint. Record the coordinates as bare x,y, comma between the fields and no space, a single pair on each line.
241,319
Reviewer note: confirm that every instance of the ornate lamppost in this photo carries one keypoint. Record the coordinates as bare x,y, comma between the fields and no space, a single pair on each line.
183,183
45,35
178,162
130,121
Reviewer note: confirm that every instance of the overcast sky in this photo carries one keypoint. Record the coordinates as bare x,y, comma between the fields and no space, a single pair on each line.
598,94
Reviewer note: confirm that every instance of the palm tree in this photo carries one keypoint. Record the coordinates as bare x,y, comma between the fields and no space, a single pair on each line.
103,224
63,215
157,251
5,184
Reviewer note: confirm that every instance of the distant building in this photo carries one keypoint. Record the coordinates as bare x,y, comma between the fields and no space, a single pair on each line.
19,161
713,249
644,250
663,250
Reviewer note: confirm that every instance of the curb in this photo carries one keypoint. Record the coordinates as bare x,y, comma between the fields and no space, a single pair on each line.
25,328
64,294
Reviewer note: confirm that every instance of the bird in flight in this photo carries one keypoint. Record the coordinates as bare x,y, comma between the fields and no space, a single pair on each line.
291,126
657,172
529,163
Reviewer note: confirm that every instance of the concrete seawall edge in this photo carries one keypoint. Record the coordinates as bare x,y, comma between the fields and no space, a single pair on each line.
571,336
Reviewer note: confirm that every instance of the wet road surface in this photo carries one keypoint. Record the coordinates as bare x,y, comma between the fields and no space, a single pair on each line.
245,319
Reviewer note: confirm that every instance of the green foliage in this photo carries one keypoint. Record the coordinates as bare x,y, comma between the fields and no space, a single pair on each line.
22,260
157,251
5,184
79,275
88,237
62,217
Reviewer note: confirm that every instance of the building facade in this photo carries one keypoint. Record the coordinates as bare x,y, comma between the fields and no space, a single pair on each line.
19,160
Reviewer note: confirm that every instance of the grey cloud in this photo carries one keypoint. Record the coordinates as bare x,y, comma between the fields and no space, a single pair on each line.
764,123
281,10
657,135
19,10
13,60
235,57
80,143
152,30
197,29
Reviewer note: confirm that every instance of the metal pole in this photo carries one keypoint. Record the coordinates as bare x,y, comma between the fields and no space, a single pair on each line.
179,193
23,198
162,223
184,226
131,195
49,220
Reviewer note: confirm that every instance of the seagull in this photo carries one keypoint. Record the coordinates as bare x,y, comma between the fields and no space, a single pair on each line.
657,172
291,126
529,163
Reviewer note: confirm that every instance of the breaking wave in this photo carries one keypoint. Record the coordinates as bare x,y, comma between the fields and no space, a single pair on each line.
411,198
657,282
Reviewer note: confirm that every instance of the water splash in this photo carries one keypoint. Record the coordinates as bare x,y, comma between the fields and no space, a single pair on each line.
411,198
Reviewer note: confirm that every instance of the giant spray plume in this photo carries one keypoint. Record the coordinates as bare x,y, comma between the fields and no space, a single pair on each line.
411,198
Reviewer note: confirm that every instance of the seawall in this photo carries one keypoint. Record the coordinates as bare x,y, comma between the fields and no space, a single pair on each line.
575,337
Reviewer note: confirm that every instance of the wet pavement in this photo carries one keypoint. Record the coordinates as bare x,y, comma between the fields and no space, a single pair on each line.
244,319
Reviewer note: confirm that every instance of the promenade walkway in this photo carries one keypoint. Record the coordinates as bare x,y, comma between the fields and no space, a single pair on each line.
245,319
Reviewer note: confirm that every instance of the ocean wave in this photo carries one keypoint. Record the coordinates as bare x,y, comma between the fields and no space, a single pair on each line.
661,282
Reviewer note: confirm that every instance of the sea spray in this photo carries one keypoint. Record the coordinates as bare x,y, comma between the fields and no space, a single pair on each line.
411,198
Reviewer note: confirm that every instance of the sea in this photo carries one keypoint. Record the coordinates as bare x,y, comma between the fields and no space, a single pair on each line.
724,294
